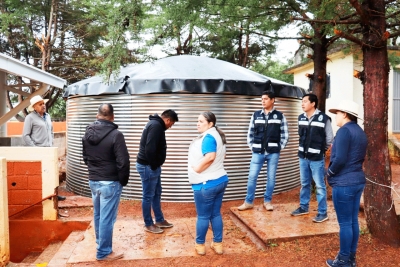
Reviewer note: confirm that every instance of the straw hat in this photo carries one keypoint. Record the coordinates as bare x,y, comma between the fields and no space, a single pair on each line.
34,100
347,106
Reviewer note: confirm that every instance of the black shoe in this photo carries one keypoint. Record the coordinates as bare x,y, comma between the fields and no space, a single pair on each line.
61,198
339,262
300,211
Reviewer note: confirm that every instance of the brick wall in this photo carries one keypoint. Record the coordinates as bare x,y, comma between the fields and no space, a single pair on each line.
14,128
24,181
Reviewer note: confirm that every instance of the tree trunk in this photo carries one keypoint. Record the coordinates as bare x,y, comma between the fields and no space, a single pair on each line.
319,77
380,212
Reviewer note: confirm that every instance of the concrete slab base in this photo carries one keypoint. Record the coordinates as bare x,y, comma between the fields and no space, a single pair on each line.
279,225
130,238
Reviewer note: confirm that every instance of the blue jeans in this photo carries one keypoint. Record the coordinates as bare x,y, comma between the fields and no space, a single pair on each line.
208,207
346,200
313,170
105,199
257,162
151,185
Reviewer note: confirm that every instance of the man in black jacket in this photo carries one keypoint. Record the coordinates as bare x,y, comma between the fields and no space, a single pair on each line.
106,155
152,153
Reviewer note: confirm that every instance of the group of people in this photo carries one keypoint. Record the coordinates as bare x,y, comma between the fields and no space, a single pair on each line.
106,155
268,135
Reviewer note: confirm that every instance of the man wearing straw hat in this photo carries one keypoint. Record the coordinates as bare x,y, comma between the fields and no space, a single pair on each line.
38,128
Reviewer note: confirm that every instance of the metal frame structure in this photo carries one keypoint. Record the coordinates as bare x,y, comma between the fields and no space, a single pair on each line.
37,78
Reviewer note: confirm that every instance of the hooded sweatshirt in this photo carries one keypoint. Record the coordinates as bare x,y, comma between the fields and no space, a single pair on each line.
153,146
105,152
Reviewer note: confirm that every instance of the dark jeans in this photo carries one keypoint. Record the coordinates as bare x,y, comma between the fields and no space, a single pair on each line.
151,184
346,200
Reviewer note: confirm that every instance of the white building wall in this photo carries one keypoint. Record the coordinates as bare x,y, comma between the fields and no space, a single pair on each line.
390,103
343,85
340,67
300,78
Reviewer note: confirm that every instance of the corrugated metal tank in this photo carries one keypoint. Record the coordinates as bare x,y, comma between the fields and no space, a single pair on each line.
233,114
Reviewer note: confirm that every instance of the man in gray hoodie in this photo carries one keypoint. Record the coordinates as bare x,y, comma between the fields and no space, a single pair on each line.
106,155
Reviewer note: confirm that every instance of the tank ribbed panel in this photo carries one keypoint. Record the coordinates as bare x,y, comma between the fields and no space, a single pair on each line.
233,114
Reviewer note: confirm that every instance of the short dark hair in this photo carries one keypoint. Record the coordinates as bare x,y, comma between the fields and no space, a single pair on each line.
106,110
351,117
170,114
270,94
313,99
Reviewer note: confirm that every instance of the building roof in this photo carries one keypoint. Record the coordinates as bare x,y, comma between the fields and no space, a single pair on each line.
18,68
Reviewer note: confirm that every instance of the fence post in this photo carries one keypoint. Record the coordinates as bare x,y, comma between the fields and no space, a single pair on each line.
4,225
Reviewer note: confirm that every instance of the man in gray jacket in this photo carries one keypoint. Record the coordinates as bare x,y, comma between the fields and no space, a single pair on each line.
38,128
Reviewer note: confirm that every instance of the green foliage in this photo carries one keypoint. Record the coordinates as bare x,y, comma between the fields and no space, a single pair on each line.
394,60
230,30
364,231
58,110
272,244
273,69
121,22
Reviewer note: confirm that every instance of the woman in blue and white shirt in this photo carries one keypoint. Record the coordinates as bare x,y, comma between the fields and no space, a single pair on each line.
209,180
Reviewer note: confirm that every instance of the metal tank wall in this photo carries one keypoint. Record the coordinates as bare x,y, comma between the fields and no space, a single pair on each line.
233,114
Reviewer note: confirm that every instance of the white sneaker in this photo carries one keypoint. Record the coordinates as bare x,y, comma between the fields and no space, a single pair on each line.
245,206
268,206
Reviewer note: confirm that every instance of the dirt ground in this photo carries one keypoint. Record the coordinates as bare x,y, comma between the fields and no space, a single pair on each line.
312,251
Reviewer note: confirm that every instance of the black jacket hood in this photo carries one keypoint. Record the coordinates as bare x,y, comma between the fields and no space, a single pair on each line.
158,118
96,131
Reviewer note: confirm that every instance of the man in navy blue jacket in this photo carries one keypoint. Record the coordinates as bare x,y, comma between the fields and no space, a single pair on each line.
151,156
106,155
315,138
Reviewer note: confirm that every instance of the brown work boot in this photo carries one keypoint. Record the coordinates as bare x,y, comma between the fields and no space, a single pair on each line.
200,249
245,206
164,224
217,247
153,229
112,257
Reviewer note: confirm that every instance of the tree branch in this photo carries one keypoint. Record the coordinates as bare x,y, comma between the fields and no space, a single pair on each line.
393,14
332,22
349,37
332,40
272,37
297,8
359,10
395,34
392,25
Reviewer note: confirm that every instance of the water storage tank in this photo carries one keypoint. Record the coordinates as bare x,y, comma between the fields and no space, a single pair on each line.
189,85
